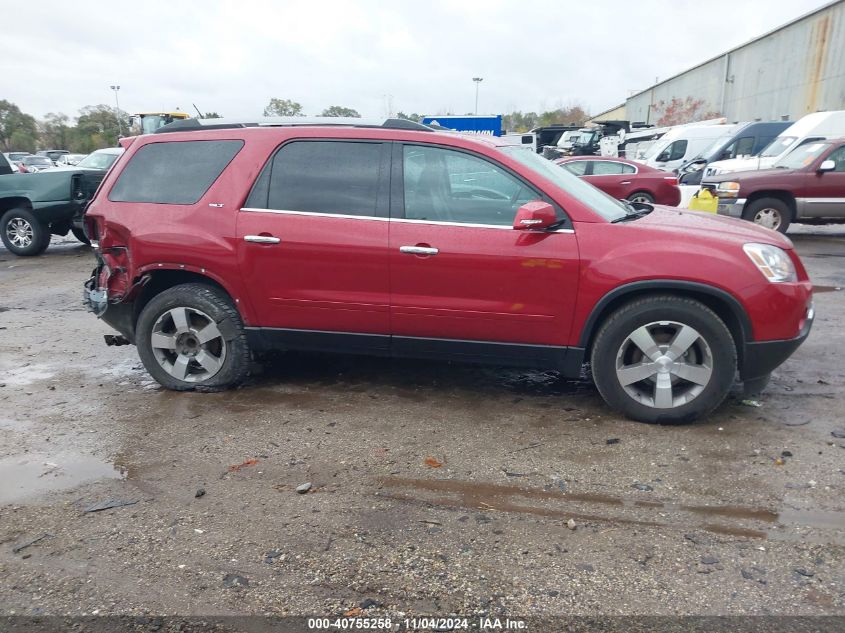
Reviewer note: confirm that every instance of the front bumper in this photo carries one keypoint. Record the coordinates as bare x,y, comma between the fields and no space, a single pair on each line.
761,357
732,207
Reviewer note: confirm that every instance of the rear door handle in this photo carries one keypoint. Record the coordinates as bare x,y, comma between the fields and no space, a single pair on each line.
419,250
262,239
625,182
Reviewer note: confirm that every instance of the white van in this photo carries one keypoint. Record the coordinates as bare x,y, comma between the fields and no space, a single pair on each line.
684,143
812,127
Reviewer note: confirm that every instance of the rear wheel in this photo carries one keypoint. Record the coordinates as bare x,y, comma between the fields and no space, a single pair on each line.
664,359
192,337
773,213
79,234
23,234
642,197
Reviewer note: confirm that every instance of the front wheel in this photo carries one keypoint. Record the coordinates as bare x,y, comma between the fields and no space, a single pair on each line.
23,234
664,359
192,337
773,213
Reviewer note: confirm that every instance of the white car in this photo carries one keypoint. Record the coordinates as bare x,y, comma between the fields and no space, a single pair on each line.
68,160
100,159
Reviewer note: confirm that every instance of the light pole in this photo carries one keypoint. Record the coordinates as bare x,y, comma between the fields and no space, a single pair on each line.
117,111
477,81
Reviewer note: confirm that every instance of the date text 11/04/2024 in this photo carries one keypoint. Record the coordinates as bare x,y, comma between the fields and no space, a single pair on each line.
418,624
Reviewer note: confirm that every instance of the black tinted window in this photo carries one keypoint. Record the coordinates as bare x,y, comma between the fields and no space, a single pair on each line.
326,177
177,172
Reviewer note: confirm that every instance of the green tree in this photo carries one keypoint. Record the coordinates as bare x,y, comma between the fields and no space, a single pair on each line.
283,107
341,111
55,131
409,117
97,127
212,115
18,131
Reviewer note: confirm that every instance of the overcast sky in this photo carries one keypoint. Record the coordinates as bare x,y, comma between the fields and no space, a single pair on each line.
232,57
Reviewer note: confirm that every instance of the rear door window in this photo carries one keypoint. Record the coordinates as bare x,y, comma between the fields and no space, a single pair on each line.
173,172
610,168
335,177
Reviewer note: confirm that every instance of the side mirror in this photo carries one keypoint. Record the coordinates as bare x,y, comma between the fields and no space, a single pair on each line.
827,165
662,157
536,215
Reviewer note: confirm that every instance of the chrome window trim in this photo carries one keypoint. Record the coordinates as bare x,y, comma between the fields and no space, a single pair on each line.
345,216
506,227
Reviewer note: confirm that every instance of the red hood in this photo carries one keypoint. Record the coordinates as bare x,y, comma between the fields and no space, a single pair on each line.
709,225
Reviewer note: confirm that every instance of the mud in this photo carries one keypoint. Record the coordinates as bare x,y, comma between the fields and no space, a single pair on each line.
435,488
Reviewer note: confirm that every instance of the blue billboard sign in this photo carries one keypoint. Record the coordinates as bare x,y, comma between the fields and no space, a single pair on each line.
486,124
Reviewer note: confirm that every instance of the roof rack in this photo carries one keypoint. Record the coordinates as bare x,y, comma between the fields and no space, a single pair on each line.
192,125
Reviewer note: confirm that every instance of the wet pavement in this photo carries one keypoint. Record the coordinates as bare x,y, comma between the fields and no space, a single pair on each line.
435,488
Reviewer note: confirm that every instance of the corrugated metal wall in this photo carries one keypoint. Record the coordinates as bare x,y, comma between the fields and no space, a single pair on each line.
791,72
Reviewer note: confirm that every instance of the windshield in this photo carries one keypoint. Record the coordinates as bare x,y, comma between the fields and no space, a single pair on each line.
36,160
656,148
151,122
802,156
98,160
585,138
603,204
778,146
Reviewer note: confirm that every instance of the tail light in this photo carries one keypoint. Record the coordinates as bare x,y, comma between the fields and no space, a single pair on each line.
92,229
671,179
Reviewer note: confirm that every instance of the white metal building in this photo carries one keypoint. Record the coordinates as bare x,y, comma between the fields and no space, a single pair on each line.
791,71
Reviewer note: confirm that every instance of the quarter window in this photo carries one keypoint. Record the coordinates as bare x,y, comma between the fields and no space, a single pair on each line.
174,172
326,177
449,186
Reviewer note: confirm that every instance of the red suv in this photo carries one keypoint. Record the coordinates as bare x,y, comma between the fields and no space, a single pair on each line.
216,240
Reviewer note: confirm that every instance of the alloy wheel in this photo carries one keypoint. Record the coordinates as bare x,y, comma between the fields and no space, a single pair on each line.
768,217
664,364
188,344
20,232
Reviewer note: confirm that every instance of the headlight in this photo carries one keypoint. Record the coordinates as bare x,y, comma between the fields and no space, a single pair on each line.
728,189
772,261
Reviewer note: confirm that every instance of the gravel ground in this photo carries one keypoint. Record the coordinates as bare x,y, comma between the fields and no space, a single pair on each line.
434,488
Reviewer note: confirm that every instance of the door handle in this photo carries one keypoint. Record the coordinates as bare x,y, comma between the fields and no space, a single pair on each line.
419,250
262,239
625,182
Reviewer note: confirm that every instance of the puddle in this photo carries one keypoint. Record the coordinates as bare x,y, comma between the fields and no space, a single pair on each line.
25,477
488,496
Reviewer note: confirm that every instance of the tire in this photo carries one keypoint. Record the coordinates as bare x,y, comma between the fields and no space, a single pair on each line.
772,213
170,337
24,234
79,234
642,197
709,363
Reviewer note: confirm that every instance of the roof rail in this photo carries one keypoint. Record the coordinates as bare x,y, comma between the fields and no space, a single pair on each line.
192,125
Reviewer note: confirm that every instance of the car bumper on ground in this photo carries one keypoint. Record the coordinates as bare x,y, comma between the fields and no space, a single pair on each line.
731,207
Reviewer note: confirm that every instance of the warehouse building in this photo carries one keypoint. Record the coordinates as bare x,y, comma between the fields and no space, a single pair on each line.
791,71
